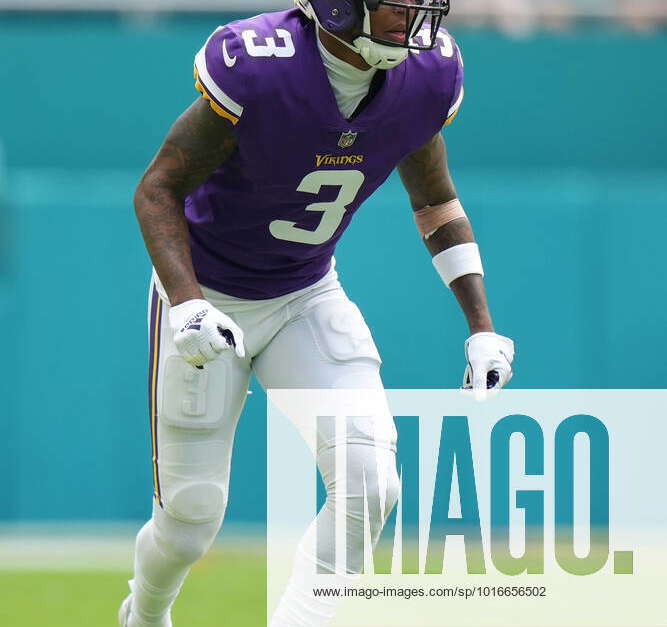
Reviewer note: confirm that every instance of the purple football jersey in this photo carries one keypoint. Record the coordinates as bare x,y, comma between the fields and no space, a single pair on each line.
266,223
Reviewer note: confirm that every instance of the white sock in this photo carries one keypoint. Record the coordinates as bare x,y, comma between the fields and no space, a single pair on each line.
299,607
166,549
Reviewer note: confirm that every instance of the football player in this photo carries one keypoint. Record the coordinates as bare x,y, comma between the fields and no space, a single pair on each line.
304,113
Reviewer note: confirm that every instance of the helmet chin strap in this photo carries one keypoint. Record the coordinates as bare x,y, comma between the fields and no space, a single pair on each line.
377,55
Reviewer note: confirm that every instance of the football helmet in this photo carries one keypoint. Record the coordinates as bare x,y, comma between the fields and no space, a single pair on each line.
341,16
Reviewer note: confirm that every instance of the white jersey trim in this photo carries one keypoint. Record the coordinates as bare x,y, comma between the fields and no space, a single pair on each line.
457,105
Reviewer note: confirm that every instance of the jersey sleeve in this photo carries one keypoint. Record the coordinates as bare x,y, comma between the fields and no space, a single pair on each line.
219,74
458,93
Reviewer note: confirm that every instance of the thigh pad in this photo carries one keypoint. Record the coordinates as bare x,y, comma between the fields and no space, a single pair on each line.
197,399
340,331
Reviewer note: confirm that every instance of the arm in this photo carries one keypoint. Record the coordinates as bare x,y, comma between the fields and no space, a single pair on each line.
426,178
198,142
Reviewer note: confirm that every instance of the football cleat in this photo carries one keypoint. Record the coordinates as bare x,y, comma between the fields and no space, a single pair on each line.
124,611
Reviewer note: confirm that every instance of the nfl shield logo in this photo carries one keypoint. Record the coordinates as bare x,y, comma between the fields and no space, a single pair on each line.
347,139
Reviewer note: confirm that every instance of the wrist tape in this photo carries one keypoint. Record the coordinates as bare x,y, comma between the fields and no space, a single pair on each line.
458,261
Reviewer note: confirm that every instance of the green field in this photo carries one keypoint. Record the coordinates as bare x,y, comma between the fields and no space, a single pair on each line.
227,588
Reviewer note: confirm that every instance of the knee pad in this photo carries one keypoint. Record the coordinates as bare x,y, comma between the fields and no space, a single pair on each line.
341,333
371,472
371,481
196,502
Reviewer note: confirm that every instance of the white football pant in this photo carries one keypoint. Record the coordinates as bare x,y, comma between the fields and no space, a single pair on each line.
312,338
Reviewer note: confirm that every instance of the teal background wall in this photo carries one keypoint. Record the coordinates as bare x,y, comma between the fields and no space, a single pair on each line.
559,156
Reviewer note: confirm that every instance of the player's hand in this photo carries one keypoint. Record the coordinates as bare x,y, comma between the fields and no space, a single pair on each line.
202,332
489,357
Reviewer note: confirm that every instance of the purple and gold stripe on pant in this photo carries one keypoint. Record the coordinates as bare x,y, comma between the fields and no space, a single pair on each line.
154,329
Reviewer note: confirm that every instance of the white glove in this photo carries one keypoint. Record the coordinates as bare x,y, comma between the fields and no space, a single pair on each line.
201,332
489,357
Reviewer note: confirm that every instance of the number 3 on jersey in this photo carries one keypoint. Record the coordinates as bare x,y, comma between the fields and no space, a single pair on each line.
349,181
270,48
